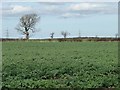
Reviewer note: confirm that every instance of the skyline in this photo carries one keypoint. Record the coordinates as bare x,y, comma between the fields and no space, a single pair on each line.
90,19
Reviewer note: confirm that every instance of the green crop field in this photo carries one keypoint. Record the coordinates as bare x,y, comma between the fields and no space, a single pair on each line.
34,64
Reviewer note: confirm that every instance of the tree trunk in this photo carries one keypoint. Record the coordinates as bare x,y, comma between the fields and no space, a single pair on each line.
27,35
52,37
64,36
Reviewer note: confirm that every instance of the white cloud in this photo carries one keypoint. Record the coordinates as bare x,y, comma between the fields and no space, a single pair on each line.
50,8
19,9
87,9
51,3
84,6
69,15
15,10
62,10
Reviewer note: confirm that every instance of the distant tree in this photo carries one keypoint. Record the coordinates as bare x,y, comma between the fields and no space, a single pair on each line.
27,23
65,33
52,34
79,34
96,36
116,35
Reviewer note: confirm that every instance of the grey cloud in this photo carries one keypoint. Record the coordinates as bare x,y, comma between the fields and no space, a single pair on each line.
102,8
62,9
52,3
16,10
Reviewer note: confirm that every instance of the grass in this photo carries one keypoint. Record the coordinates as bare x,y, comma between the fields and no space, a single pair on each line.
60,64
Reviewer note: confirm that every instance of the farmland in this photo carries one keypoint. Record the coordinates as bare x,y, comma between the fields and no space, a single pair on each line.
34,64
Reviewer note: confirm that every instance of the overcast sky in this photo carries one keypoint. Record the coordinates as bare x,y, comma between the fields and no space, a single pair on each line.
90,18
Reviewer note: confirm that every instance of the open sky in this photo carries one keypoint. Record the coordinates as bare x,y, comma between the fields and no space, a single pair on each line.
90,18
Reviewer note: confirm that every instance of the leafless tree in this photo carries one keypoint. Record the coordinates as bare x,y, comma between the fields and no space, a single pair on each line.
52,34
27,23
79,34
65,33
116,35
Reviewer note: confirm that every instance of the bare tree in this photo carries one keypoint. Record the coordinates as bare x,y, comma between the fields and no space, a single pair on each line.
79,34
96,36
65,33
27,23
52,34
116,35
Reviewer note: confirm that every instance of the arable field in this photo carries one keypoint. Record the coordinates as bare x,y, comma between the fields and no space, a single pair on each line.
34,64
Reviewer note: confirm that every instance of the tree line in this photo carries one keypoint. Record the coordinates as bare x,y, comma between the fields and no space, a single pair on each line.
27,23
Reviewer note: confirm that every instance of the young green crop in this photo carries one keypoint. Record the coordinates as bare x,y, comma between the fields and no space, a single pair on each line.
35,64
